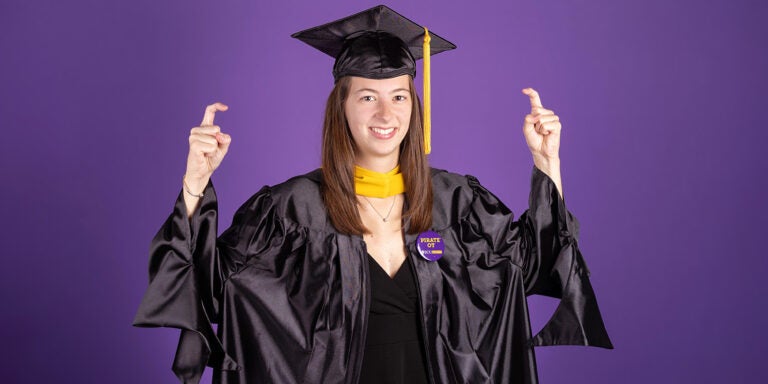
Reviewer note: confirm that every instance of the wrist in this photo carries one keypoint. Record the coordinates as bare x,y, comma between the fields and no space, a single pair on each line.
550,167
194,186
547,164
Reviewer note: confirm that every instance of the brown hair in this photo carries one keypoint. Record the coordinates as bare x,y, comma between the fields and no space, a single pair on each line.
338,167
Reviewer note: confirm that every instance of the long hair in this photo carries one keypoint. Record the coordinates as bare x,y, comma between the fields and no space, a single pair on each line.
338,167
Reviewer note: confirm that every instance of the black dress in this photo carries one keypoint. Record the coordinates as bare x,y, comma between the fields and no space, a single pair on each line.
394,351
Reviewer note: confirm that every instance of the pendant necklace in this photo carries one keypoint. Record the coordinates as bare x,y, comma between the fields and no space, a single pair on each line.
383,218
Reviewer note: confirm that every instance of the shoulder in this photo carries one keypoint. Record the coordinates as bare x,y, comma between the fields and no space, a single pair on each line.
451,184
453,197
457,198
299,200
307,185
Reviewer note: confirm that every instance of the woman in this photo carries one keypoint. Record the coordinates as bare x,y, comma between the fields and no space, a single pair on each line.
319,279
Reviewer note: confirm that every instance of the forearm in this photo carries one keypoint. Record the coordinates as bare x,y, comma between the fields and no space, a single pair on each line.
193,191
551,167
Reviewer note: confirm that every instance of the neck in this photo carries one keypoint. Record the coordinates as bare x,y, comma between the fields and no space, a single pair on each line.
378,164
370,183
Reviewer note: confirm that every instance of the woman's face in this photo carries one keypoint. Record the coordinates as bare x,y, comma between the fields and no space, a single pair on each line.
378,113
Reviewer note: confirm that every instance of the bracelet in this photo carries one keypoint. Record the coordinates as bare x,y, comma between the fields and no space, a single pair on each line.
186,188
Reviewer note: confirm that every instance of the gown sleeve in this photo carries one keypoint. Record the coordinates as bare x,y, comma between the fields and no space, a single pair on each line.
187,269
543,242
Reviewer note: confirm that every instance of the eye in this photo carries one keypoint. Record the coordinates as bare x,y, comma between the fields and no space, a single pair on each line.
401,98
368,98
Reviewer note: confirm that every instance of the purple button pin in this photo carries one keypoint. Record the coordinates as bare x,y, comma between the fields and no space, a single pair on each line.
430,245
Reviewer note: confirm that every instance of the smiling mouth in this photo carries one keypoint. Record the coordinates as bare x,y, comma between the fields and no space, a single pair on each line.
383,133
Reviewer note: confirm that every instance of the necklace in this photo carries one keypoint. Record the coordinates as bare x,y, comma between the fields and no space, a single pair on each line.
383,218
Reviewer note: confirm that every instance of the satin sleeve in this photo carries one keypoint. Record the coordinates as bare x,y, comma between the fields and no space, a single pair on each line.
543,242
188,267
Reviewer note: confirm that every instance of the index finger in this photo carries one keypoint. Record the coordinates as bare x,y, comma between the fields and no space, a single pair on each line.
210,112
535,99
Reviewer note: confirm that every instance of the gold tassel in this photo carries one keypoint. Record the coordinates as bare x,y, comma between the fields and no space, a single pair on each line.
427,96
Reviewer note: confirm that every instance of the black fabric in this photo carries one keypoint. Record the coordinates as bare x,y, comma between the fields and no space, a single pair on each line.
291,295
377,43
394,348
374,55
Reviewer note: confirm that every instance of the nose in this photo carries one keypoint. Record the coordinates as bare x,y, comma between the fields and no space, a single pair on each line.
384,111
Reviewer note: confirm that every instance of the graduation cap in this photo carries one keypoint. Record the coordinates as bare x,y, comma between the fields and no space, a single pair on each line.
378,43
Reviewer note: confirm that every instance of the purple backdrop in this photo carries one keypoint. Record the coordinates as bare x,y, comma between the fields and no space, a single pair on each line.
662,153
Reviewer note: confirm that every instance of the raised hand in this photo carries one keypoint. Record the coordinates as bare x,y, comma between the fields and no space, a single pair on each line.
541,129
207,148
542,133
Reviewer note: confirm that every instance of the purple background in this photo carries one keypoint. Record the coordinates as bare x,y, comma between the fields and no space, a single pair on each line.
662,148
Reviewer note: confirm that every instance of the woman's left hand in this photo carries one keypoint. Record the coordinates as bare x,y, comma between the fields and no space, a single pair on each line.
541,129
542,133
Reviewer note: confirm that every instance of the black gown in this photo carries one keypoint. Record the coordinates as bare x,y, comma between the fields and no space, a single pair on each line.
394,347
291,295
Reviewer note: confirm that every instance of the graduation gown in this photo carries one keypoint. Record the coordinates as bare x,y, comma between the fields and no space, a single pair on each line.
291,295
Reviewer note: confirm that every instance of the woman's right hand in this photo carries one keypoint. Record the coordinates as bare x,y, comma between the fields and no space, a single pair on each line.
207,148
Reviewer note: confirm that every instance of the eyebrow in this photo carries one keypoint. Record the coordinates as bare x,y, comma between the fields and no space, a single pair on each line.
374,91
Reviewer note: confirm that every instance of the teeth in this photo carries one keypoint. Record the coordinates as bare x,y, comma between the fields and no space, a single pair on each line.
381,131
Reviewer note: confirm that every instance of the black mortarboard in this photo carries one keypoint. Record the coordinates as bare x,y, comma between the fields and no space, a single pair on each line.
378,43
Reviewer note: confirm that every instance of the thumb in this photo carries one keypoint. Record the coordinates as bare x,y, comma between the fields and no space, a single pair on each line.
224,140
